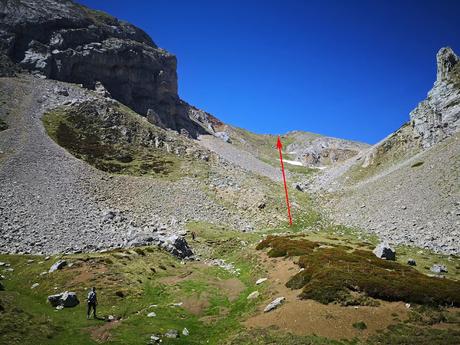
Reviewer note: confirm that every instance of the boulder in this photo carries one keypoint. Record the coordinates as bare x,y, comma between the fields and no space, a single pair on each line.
274,304
411,262
151,314
437,268
185,332
57,266
176,245
65,299
384,251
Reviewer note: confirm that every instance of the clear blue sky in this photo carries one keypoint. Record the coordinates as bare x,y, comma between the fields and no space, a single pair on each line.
350,69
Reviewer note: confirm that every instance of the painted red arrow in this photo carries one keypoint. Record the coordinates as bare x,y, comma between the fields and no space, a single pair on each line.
279,146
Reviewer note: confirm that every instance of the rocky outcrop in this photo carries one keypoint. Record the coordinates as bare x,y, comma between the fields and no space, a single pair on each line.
66,41
438,116
314,150
65,299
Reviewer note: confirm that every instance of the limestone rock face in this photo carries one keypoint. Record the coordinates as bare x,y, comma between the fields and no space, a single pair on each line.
66,41
313,150
438,116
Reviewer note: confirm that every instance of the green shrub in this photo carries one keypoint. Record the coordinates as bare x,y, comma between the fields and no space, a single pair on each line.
417,164
331,273
360,325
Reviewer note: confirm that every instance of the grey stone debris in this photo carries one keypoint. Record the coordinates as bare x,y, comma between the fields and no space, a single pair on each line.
223,135
65,299
437,268
172,333
57,266
384,251
411,262
274,304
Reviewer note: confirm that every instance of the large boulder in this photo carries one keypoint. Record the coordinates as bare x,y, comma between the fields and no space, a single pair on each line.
176,245
384,251
65,299
438,269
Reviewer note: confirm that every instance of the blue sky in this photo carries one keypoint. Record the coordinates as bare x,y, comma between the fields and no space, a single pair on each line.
350,69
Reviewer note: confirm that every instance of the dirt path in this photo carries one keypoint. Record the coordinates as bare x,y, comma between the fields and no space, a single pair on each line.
306,317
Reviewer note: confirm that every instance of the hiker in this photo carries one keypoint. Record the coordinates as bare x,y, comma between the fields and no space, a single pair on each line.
193,235
92,303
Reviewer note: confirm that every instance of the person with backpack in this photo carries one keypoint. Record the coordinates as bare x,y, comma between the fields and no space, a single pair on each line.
92,303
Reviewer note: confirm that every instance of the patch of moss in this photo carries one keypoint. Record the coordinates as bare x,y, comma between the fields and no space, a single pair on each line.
360,325
332,273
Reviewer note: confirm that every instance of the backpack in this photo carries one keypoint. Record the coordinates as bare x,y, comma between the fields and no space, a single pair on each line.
92,297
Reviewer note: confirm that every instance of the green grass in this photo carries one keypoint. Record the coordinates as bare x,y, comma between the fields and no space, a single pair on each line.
138,274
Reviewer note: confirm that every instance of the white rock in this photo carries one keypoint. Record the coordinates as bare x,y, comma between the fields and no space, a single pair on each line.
34,285
151,314
185,332
260,281
274,304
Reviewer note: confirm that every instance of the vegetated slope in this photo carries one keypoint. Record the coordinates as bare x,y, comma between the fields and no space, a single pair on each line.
406,188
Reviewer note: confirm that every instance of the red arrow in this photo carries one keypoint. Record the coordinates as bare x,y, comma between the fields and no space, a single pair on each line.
279,147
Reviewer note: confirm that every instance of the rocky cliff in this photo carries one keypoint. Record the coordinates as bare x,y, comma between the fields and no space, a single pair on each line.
62,40
438,116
